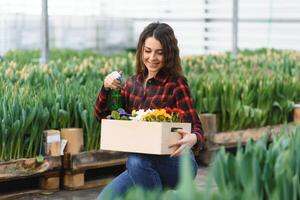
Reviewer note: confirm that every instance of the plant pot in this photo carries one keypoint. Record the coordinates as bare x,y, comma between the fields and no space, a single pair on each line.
52,144
296,113
74,136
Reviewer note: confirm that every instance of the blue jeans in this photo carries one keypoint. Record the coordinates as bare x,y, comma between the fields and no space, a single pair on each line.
146,171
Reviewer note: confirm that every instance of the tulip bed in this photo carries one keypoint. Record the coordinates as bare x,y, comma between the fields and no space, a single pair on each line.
254,89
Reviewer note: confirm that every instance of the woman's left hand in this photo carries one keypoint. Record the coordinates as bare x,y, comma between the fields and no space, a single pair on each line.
188,140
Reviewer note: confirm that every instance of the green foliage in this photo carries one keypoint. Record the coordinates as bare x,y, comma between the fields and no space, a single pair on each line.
254,89
261,170
119,114
115,115
40,158
258,171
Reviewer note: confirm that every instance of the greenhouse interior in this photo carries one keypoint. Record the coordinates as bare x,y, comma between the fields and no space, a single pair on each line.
167,99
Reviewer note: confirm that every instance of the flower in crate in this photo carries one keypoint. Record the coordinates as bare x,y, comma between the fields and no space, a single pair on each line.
119,114
138,115
176,114
158,115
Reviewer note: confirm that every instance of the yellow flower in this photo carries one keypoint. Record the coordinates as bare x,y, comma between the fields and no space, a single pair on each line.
158,115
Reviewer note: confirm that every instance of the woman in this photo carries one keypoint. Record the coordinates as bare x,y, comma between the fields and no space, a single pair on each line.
158,83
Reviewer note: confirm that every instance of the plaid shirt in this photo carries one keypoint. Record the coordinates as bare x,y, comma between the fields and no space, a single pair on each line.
161,91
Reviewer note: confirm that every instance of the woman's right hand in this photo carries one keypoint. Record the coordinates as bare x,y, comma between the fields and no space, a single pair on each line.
110,82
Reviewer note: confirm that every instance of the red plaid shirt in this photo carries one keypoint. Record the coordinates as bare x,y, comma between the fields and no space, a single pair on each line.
161,91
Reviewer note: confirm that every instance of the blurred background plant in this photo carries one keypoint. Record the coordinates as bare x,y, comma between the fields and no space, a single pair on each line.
260,170
256,88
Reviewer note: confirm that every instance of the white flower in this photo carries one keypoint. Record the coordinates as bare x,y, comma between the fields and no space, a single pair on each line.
140,113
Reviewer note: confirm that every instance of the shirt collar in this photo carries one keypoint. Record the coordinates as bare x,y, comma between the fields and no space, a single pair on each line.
160,77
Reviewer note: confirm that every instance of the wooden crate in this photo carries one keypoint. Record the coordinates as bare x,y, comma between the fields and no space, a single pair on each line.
26,177
91,169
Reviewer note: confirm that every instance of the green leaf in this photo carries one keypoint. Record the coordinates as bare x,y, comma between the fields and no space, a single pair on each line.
40,158
186,186
115,115
276,104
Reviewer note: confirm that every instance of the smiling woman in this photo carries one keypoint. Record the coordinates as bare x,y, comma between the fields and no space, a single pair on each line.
153,57
158,84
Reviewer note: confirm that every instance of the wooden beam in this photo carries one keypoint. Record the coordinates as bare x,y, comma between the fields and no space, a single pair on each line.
23,168
234,137
93,160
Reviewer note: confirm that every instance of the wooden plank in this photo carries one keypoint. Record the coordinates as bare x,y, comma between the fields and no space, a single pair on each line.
78,166
90,178
97,183
73,180
23,168
209,124
50,183
94,159
92,184
42,184
20,194
232,138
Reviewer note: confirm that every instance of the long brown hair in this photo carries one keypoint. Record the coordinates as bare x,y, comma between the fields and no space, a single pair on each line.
165,35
